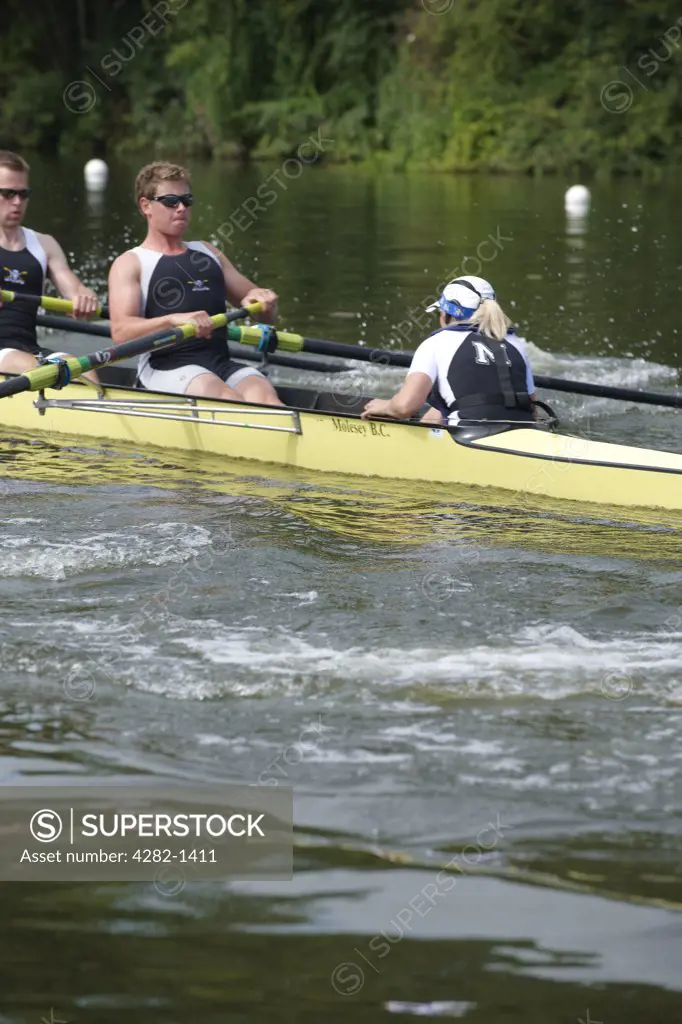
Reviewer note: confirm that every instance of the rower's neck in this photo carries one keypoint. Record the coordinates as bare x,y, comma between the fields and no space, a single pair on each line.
12,238
169,245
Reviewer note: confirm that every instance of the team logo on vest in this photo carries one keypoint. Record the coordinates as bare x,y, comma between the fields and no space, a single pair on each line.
14,276
199,284
485,355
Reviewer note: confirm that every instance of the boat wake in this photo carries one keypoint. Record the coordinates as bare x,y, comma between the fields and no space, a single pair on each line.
187,659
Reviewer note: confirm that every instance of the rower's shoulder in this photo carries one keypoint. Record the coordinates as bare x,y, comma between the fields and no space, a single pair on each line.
126,262
49,243
218,253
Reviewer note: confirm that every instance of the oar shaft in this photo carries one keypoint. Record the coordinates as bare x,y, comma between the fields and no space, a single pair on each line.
46,302
276,358
288,341
605,391
92,327
297,343
382,357
47,375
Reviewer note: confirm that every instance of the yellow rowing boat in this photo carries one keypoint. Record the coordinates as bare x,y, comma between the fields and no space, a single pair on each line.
322,432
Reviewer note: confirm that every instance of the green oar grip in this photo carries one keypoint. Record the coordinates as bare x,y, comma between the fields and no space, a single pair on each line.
46,301
252,336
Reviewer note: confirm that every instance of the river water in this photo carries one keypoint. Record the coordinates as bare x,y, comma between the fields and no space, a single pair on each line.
442,679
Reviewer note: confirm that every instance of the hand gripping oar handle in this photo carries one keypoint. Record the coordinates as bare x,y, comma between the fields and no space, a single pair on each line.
50,374
47,302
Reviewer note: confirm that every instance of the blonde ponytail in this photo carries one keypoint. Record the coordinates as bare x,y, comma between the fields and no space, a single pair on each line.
490,320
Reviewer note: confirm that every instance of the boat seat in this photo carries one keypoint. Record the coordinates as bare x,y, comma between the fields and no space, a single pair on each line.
341,404
117,376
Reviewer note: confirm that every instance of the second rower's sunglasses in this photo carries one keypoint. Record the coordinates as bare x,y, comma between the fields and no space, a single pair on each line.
171,201
10,193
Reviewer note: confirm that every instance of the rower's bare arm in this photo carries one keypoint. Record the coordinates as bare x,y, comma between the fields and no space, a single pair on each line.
85,301
125,300
240,291
406,403
433,416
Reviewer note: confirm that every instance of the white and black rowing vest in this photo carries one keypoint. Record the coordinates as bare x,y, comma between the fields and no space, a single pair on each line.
23,270
475,377
184,284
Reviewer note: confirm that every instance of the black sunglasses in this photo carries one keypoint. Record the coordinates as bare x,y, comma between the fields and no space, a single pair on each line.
171,201
10,193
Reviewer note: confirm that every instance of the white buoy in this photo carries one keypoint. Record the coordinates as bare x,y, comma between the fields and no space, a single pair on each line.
577,199
96,174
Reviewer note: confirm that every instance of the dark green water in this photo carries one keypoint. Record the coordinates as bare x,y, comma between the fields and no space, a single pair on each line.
458,664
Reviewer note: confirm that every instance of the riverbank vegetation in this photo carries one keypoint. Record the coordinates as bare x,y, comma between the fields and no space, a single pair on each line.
455,85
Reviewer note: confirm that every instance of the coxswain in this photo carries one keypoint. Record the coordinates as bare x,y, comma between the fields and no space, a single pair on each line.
473,369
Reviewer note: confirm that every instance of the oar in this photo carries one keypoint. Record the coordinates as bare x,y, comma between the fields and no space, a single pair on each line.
297,343
383,357
60,323
48,302
49,374
104,331
605,391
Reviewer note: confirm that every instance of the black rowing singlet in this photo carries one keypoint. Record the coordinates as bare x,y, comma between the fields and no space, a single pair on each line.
23,270
184,284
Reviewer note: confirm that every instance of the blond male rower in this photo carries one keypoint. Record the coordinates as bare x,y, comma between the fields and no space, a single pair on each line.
27,259
166,282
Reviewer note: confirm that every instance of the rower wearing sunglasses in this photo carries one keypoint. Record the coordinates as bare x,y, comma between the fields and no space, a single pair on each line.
27,259
166,282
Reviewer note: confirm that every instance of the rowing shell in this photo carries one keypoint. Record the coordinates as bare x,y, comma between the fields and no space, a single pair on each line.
322,432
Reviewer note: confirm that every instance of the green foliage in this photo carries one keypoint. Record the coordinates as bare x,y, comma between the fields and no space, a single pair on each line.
493,85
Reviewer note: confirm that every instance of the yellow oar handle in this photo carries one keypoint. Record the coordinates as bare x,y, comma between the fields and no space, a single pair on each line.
286,341
46,301
220,319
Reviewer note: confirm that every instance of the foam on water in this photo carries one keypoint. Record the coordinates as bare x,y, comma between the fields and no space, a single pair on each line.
187,659
47,554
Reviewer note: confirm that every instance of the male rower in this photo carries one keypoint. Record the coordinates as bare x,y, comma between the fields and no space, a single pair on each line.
166,282
27,259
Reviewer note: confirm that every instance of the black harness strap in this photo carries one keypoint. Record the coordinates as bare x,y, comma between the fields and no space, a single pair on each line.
504,376
522,401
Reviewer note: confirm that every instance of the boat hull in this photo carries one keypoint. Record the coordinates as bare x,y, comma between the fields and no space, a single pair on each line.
330,437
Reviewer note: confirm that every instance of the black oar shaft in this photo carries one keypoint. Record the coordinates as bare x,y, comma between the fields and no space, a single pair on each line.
60,323
378,356
606,391
63,323
382,357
